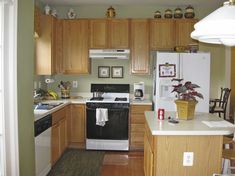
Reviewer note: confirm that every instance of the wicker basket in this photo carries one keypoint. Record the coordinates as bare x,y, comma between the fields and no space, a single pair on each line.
185,109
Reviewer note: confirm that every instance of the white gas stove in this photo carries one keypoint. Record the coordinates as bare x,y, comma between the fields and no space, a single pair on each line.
113,135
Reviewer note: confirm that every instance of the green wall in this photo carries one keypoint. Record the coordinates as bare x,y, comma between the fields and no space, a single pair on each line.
138,11
25,72
85,81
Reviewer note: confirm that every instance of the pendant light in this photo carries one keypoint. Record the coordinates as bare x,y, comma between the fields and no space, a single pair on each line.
218,27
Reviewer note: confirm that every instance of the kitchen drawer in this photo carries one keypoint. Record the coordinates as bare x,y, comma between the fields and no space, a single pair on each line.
137,118
139,109
58,115
137,128
137,137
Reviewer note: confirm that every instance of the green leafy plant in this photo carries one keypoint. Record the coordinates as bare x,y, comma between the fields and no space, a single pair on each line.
186,91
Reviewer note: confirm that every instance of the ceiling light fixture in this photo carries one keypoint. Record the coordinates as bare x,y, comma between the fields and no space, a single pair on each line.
218,27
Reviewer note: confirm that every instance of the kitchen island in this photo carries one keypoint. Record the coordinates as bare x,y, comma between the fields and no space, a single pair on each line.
188,148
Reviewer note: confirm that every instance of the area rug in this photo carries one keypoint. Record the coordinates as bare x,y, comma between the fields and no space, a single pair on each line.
76,162
115,159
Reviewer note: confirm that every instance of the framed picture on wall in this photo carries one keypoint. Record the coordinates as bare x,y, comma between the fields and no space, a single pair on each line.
117,72
103,71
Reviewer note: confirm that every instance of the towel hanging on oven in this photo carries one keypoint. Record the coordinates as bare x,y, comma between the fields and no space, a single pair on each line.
101,116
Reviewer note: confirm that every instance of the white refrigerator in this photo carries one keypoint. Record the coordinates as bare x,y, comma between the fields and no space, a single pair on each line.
194,67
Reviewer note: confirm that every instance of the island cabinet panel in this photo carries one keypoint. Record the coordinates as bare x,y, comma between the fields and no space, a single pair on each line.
168,151
162,34
58,134
77,126
45,46
183,29
140,46
75,47
137,126
148,158
109,33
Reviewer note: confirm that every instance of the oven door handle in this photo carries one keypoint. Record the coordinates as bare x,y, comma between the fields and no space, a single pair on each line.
118,109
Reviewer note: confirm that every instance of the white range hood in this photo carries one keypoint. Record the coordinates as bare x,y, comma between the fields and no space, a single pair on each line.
109,53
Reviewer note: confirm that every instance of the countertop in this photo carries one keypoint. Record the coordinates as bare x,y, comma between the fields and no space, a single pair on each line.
140,102
77,100
186,127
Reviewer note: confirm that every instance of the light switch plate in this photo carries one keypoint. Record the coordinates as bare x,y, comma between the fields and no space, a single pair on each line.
188,159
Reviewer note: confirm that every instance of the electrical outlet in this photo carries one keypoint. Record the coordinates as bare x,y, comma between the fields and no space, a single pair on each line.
75,84
188,159
39,84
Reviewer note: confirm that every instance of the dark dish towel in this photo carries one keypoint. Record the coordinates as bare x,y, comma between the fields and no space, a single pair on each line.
75,162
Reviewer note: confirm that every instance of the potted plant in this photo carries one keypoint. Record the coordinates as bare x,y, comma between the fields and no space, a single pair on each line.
186,98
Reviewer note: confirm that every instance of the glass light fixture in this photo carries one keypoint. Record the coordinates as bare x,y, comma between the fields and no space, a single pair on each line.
218,27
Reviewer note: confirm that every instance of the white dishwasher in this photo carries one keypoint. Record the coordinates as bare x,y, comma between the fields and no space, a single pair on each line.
42,131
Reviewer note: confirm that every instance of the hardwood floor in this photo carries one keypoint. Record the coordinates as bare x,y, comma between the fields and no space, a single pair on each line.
123,164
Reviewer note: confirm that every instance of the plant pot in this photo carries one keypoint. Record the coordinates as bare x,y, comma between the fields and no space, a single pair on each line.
185,109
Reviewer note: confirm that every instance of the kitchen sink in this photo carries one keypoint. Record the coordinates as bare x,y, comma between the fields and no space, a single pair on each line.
46,106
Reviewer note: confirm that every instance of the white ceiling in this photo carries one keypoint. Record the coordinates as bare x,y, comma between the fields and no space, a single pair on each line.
195,3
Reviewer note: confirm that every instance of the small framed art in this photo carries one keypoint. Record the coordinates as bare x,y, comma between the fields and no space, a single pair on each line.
167,70
103,71
117,72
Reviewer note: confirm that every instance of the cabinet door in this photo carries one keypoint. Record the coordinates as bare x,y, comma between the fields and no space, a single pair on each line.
75,47
98,33
162,34
63,135
77,124
148,158
44,47
55,143
118,33
183,29
58,46
37,16
140,46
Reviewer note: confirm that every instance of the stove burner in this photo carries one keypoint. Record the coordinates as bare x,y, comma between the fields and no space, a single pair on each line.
120,99
97,98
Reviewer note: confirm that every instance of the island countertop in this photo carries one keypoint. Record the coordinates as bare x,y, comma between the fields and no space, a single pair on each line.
186,127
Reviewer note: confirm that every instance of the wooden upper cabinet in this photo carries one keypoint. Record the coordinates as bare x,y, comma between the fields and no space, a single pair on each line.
58,43
75,47
140,46
109,33
118,33
45,49
37,16
183,29
98,33
162,34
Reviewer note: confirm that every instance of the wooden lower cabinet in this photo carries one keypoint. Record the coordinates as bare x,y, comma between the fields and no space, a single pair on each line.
137,120
58,134
77,126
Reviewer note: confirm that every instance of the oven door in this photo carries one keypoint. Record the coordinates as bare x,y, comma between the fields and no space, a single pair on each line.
116,128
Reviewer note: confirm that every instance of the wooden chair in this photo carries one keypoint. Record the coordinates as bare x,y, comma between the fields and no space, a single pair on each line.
220,105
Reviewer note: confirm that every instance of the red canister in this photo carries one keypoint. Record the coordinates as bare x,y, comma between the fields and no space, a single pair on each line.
160,114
